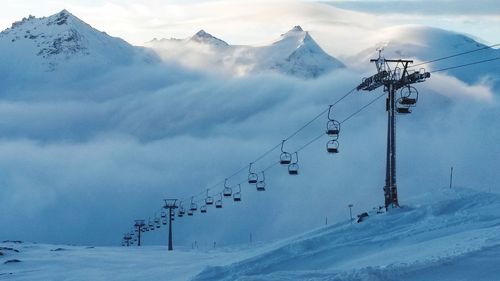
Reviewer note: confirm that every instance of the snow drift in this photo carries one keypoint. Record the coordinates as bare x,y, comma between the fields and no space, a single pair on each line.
450,235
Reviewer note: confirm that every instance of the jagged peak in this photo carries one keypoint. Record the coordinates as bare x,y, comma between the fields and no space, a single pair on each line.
62,18
203,33
204,37
296,28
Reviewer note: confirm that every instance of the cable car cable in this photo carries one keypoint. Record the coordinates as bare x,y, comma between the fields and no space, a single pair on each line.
464,65
454,55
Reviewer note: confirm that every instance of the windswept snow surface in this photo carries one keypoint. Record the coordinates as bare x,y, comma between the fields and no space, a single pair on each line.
455,237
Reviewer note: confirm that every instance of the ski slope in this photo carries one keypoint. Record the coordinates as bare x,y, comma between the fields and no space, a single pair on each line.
449,235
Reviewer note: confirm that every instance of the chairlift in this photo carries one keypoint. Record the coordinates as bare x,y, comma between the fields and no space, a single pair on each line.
164,221
182,211
203,209
163,214
179,214
209,200
218,203
285,157
237,195
408,98
157,223
332,126
403,110
261,184
190,213
193,206
332,146
293,168
252,177
227,191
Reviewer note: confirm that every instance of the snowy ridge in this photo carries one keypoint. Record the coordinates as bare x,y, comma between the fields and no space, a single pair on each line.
63,38
453,237
295,53
427,43
407,244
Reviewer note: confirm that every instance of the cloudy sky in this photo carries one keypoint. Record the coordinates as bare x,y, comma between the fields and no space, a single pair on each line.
81,156
255,22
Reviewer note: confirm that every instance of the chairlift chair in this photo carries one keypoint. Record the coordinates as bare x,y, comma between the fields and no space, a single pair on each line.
285,157
190,213
209,200
203,209
332,126
252,177
163,214
193,206
218,203
237,195
164,221
293,168
408,98
227,191
182,211
403,110
261,184
332,146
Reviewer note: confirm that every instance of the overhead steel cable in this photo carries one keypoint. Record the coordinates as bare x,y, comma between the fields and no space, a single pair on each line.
454,55
276,146
345,120
362,108
320,114
466,64
349,117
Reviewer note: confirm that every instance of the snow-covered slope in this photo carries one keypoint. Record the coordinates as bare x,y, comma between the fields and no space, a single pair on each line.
64,41
295,53
426,43
456,238
452,235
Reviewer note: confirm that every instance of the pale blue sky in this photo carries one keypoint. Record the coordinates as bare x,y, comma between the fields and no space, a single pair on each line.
254,22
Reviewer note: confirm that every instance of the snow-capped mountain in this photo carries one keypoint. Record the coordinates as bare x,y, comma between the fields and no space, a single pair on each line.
294,53
48,43
423,43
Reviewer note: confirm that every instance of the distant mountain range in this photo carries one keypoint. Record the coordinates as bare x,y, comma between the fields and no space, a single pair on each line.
62,42
294,53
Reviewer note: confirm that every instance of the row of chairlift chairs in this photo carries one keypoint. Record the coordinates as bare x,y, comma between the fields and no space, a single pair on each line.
408,97
406,100
286,158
